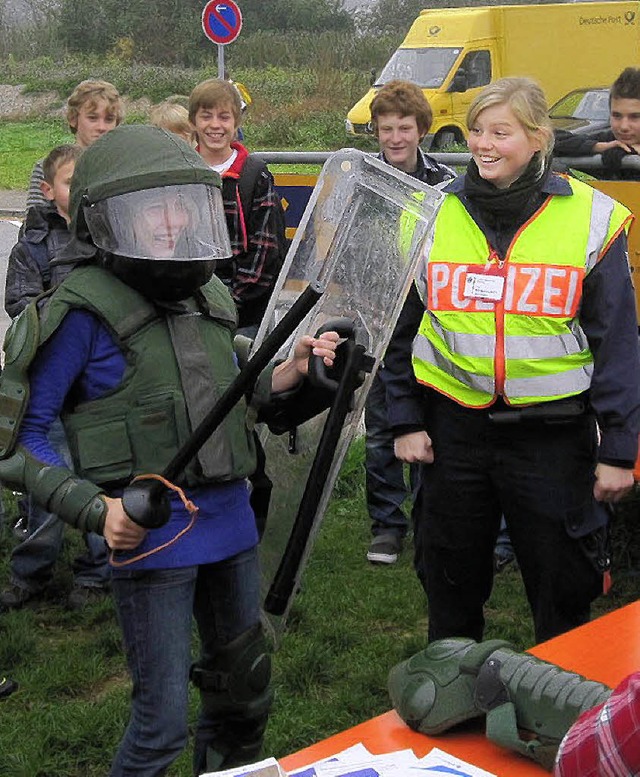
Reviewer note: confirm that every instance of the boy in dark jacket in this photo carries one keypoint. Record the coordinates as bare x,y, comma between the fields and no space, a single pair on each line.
617,143
45,232
252,207
30,272
401,117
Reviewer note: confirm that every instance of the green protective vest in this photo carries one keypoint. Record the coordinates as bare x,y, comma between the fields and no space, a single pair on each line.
138,427
528,346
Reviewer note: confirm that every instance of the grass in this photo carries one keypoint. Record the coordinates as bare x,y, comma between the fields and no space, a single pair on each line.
351,622
22,144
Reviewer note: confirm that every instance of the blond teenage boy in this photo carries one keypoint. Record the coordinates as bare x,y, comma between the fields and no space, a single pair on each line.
93,108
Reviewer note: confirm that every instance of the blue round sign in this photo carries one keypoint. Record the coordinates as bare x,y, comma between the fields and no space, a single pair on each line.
221,21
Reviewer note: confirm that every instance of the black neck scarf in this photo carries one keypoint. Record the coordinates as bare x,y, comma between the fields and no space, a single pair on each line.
512,204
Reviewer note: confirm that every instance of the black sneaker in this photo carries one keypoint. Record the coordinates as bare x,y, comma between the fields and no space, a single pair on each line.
13,597
384,548
82,596
502,557
7,687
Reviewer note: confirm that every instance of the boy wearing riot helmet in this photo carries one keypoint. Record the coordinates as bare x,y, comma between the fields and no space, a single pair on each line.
132,363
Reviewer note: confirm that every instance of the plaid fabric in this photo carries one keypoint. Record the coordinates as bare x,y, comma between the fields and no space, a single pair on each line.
605,741
257,249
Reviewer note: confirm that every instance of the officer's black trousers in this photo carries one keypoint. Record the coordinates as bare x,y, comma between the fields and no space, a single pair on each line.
540,476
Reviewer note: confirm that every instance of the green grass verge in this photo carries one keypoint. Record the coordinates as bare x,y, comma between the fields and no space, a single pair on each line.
22,144
351,622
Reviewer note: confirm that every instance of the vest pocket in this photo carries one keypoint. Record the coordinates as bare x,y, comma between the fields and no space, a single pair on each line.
101,451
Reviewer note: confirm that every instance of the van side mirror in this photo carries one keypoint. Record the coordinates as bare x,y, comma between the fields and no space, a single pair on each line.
459,83
372,76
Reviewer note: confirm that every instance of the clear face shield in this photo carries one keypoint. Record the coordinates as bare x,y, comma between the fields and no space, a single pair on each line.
184,223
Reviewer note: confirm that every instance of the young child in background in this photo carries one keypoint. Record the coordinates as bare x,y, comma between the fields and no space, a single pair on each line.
93,108
30,272
173,117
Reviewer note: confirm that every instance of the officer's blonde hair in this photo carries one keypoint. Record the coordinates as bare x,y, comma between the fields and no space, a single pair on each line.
529,105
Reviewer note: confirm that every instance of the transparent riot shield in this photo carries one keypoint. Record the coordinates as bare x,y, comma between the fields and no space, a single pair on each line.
360,239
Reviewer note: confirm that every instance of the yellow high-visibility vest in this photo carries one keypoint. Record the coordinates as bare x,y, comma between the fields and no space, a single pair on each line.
528,346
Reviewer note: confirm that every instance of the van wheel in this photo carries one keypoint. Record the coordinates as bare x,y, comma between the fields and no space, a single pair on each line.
447,136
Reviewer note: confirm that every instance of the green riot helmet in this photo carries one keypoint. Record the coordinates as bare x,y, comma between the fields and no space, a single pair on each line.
151,209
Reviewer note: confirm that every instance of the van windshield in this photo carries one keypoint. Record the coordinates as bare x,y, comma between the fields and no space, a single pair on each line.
426,67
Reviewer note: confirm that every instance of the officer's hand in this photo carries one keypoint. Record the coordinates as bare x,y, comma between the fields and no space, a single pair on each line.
413,447
612,483
120,532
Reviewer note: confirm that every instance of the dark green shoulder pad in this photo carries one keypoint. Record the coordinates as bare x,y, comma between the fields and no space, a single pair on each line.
96,289
219,303
20,346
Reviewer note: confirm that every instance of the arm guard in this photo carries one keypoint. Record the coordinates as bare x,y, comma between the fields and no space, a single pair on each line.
78,502
522,693
529,704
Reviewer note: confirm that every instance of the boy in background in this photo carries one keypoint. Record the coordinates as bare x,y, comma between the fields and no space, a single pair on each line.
255,219
93,108
622,140
401,117
30,272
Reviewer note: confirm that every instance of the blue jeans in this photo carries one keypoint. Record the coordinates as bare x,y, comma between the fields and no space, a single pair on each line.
155,613
385,483
32,561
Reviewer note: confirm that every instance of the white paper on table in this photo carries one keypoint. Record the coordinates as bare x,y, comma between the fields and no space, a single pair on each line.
357,761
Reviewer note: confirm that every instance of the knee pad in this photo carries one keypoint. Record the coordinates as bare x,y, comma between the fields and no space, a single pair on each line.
236,677
236,699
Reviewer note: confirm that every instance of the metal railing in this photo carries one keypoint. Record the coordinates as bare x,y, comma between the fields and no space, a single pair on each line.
586,163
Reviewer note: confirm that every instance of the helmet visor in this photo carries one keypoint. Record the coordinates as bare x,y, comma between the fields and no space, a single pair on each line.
173,223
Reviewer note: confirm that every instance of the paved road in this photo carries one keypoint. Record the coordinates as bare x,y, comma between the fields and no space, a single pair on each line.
8,236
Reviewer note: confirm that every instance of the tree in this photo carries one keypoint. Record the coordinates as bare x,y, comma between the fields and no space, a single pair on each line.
284,15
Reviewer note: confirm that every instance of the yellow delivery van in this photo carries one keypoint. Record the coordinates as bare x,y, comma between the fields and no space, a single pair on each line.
451,53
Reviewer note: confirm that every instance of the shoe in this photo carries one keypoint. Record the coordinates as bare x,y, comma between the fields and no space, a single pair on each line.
502,558
83,595
7,687
13,597
384,548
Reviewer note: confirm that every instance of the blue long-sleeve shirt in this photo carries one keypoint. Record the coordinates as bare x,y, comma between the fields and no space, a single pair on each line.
82,362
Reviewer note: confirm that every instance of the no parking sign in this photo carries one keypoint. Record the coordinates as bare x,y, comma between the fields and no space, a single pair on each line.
221,21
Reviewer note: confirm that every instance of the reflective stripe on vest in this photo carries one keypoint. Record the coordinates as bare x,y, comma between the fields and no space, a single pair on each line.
528,346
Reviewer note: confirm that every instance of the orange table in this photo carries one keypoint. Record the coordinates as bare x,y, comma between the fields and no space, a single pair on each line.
607,649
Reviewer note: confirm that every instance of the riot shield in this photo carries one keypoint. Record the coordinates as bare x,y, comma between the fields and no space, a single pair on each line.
360,238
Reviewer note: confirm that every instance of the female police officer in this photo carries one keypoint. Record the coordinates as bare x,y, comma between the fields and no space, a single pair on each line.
518,335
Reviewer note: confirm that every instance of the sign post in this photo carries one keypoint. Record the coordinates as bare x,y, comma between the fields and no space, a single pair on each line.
221,22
